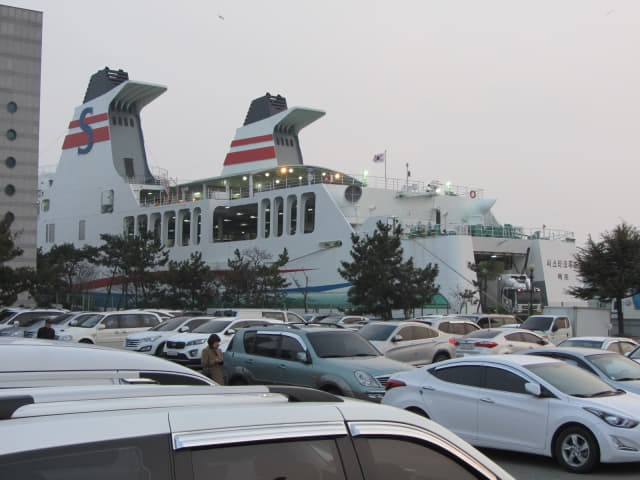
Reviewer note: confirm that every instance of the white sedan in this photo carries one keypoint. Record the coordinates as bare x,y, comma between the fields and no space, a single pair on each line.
499,340
621,345
409,342
525,403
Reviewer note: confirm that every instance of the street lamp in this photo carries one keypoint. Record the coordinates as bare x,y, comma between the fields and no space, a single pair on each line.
531,269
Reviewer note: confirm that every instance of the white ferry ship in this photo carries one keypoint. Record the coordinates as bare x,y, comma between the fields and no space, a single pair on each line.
267,198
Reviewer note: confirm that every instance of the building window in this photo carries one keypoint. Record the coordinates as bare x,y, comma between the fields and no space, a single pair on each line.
44,205
50,232
81,227
12,107
10,162
11,134
10,190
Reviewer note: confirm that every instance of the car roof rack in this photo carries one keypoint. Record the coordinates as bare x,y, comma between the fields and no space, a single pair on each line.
12,400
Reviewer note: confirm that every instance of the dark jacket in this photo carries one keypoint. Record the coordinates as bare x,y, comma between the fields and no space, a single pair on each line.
46,332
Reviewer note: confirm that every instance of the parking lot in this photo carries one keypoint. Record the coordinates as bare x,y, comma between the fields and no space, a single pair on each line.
534,467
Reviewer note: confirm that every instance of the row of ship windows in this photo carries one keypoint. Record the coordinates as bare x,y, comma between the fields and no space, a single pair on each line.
269,218
126,121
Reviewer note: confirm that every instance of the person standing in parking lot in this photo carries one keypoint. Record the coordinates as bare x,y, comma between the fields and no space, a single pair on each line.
47,331
212,360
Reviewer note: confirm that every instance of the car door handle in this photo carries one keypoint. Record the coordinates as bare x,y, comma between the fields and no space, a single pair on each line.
487,400
282,365
250,361
428,387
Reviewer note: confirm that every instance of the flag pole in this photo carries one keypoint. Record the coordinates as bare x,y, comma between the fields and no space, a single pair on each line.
385,168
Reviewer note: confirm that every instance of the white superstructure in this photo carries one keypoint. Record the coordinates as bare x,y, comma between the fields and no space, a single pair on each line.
267,198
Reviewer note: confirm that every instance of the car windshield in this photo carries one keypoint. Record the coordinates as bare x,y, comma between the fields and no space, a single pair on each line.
616,366
537,323
169,324
214,326
6,315
341,343
32,321
571,380
331,319
87,322
58,319
576,342
377,331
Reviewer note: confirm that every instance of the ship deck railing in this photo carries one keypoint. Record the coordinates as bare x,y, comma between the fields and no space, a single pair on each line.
506,231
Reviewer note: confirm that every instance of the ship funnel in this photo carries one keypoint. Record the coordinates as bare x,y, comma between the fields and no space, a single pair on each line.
102,81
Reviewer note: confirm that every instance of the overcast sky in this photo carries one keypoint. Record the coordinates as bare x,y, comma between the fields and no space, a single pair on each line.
537,102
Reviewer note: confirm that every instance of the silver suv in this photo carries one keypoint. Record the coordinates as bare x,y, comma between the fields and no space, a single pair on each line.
200,433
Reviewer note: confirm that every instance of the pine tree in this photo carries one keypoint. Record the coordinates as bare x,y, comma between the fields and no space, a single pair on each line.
380,281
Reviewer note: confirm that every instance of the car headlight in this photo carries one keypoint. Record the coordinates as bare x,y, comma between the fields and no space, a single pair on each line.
612,419
65,338
366,379
151,338
196,342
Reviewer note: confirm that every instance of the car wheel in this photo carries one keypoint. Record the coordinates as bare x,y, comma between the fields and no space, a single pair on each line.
332,389
576,449
418,411
440,356
160,350
238,381
84,340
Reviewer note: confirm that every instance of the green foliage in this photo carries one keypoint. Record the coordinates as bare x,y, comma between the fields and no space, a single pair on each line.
189,284
610,269
12,280
134,258
381,281
253,280
60,273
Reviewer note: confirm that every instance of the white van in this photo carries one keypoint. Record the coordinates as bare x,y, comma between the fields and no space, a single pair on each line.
554,328
285,316
109,329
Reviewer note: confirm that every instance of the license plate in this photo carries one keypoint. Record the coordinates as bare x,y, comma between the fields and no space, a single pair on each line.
465,346
172,354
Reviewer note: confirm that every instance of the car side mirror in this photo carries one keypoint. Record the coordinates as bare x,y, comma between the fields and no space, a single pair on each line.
542,342
554,328
397,338
533,389
183,328
101,326
231,331
303,357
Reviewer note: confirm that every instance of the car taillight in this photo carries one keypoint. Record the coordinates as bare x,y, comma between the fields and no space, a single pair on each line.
392,383
486,344
453,341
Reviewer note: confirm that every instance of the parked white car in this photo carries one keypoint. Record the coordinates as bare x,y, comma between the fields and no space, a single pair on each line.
109,328
152,341
554,328
35,362
499,340
621,345
187,347
179,432
409,342
455,326
525,403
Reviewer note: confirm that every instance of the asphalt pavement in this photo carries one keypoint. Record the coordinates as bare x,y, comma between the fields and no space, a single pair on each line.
534,467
